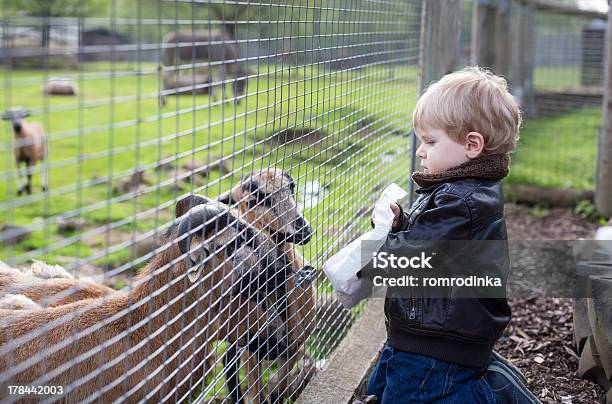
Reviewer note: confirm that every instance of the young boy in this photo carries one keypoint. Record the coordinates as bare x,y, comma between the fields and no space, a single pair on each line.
438,348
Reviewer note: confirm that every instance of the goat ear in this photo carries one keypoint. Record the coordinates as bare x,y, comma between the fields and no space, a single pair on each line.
25,113
189,202
199,262
194,274
6,116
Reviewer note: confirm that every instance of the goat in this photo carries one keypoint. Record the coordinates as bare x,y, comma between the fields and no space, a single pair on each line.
187,85
266,199
124,342
213,46
30,147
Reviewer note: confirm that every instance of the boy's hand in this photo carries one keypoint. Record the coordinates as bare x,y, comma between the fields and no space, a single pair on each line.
396,212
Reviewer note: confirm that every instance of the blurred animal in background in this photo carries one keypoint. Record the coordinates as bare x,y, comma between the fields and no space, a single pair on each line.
191,47
60,86
30,147
186,85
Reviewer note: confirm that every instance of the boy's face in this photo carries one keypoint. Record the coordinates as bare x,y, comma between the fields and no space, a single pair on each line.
438,152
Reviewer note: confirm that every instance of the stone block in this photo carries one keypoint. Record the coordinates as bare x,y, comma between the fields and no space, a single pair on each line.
582,325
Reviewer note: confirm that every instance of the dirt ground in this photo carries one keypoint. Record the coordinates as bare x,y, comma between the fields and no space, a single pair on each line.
539,338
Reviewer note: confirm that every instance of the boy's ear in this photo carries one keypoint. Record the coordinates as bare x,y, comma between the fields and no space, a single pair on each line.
474,144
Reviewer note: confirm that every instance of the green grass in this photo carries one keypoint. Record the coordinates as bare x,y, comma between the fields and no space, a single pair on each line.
558,151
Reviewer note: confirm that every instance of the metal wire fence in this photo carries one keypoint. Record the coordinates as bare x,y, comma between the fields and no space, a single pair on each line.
119,282
553,58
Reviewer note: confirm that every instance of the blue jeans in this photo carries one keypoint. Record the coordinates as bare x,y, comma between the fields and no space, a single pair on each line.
403,377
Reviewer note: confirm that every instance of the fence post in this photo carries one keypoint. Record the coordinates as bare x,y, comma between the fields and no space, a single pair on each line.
522,83
603,192
483,33
503,39
440,51
491,36
440,39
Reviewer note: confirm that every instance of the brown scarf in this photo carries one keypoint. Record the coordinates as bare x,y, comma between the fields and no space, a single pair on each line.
490,167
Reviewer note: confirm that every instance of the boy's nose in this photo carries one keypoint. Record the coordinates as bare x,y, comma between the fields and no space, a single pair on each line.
420,153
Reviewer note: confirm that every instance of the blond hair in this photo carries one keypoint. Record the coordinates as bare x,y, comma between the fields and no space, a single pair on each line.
471,100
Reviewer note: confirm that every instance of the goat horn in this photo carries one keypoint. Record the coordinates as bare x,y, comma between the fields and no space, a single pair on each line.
198,215
189,202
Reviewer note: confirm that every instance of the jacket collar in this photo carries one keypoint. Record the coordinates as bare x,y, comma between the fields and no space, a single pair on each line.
490,167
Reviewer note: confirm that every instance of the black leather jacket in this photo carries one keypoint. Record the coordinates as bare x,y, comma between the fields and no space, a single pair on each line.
457,330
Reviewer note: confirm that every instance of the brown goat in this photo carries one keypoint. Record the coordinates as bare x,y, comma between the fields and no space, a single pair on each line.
187,84
30,147
266,199
213,46
140,344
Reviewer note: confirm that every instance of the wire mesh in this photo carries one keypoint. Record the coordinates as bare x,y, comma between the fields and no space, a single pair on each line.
116,282
556,72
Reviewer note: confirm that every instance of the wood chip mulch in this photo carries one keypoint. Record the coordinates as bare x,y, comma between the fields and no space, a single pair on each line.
539,338
539,342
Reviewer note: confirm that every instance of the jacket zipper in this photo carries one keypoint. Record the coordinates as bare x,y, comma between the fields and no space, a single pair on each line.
412,315
413,214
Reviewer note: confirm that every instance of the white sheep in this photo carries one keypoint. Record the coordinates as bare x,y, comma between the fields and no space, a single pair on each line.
30,147
43,270
60,86
17,302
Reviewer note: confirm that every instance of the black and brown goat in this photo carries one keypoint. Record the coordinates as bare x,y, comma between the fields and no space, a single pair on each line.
30,147
266,199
